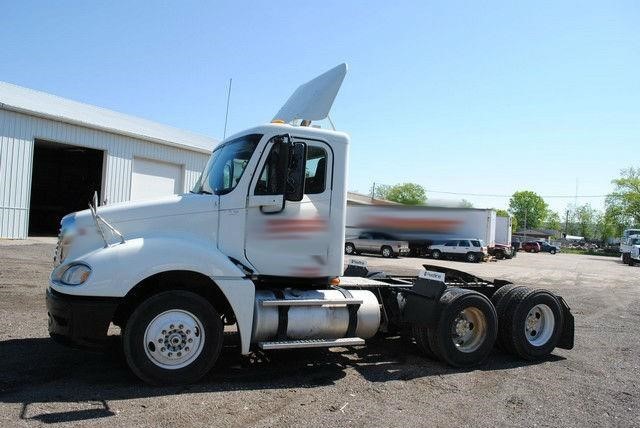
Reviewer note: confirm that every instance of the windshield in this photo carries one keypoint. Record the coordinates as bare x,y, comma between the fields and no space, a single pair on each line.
226,165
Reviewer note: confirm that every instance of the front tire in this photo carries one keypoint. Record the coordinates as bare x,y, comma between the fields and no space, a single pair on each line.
349,248
436,254
552,251
472,257
174,337
386,252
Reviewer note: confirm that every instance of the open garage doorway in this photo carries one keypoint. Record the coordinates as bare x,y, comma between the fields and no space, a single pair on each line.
63,180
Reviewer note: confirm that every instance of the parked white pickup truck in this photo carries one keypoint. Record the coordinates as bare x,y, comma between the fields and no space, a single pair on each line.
258,244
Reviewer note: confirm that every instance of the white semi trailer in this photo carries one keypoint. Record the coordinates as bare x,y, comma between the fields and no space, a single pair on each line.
423,226
258,243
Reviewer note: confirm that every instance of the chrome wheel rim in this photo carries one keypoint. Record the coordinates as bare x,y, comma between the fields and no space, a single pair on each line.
471,257
174,339
386,252
539,325
349,249
435,255
469,330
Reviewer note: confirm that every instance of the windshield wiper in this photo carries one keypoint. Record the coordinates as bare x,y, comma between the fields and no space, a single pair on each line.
206,192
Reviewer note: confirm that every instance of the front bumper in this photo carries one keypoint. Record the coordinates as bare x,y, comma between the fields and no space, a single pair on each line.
80,321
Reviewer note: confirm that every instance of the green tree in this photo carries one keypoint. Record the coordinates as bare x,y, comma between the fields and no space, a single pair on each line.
465,204
553,221
585,218
624,201
528,208
404,193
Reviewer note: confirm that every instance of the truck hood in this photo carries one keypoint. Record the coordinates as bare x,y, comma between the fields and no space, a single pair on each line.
175,205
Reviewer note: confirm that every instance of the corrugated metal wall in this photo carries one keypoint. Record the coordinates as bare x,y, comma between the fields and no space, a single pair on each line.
17,134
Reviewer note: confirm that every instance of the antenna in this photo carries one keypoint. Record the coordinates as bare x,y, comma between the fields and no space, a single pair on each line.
226,115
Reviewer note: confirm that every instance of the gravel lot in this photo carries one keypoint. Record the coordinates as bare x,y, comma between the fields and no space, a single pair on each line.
385,383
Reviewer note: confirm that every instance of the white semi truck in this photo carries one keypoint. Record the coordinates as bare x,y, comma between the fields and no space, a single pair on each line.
258,243
625,243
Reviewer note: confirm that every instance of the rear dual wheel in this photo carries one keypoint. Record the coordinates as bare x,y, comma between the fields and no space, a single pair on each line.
465,332
530,321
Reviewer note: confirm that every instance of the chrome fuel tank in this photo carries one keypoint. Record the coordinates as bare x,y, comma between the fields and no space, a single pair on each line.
330,321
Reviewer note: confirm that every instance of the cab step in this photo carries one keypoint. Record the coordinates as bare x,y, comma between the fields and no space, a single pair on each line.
311,343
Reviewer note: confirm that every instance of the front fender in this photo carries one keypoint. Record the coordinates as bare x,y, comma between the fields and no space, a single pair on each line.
118,268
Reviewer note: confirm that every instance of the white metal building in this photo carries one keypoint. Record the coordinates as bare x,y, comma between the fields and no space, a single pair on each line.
54,153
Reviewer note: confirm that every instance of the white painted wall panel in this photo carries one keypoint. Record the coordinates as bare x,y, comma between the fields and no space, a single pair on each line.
17,135
152,179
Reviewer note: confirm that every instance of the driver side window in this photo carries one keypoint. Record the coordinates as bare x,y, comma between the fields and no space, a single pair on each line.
271,180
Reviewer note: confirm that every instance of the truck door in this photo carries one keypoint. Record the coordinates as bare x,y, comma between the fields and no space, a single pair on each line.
290,241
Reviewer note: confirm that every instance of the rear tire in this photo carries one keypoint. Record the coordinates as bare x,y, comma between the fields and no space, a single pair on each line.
552,251
532,323
472,257
174,337
466,329
386,251
421,336
349,249
436,254
625,258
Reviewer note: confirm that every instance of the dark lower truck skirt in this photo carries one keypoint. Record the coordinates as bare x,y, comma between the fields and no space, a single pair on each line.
80,321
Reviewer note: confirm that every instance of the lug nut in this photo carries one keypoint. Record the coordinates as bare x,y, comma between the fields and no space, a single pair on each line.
170,354
179,354
164,331
180,326
162,349
171,326
190,340
186,349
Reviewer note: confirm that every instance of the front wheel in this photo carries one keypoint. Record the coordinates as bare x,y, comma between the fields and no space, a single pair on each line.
436,254
172,338
472,257
552,251
386,252
349,248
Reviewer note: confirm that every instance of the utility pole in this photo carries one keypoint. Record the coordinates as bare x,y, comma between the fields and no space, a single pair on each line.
373,191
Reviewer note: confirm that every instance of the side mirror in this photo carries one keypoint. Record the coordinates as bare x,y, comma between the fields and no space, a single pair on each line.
295,177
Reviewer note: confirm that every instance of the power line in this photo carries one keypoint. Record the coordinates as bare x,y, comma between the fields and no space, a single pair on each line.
491,195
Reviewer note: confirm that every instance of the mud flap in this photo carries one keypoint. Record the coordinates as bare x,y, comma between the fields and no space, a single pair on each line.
422,305
568,329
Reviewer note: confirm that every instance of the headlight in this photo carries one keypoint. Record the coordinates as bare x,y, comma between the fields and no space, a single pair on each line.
74,274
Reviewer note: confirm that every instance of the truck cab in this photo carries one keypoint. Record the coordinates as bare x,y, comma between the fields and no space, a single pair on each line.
258,245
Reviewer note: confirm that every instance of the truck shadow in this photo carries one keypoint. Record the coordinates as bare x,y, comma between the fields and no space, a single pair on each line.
37,371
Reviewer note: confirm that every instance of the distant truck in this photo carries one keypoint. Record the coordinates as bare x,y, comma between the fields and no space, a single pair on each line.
423,226
375,243
625,246
633,244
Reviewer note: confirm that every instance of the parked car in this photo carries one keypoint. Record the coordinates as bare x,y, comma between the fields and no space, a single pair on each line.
376,243
549,248
472,250
501,251
531,247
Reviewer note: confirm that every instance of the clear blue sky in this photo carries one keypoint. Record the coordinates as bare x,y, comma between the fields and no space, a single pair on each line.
469,97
